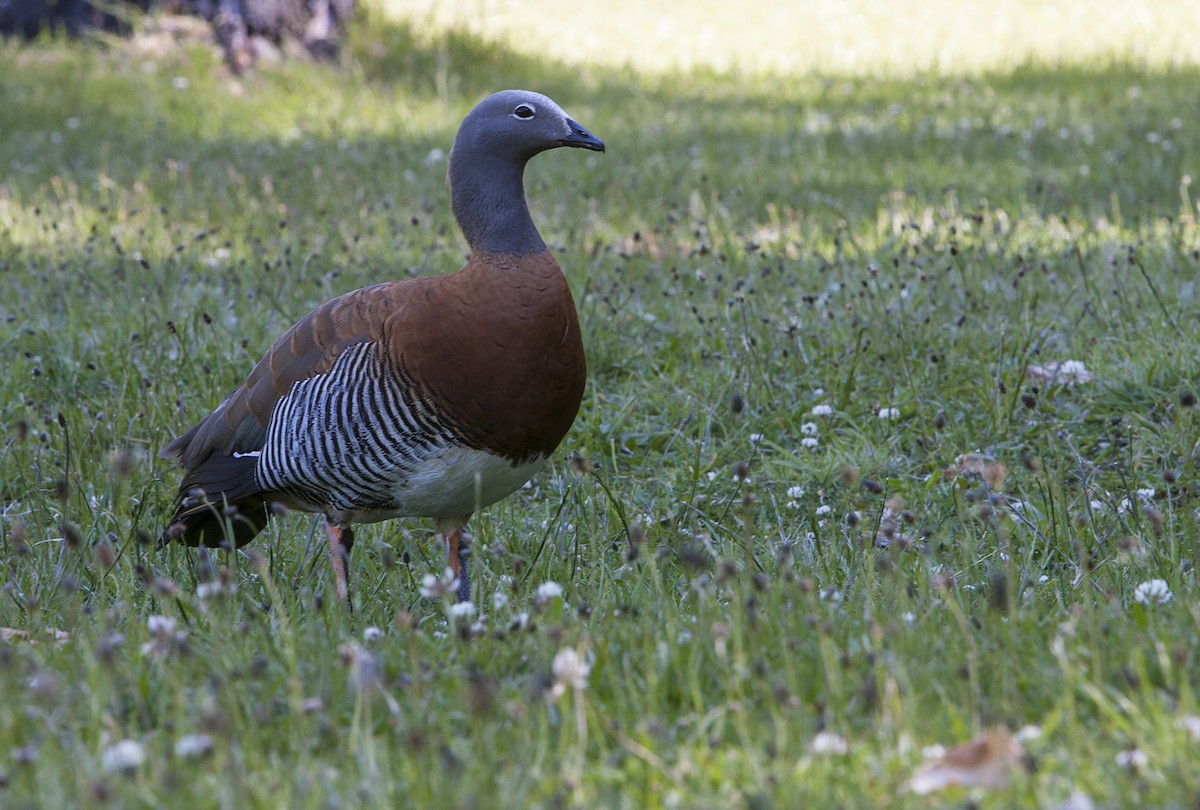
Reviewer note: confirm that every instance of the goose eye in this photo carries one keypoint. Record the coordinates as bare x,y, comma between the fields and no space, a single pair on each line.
523,111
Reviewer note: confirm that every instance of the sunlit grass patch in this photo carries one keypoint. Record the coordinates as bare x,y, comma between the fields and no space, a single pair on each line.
821,36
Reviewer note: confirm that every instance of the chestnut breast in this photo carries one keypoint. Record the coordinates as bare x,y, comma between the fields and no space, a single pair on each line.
497,353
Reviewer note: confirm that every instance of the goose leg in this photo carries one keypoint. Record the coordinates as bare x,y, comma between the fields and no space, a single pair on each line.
341,540
456,540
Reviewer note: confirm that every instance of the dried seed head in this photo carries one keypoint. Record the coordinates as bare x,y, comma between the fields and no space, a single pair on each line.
579,464
387,557
106,555
872,486
995,474
741,470
939,421
726,571
1187,399
404,621
1030,462
849,475
737,404
16,536
122,463
61,490
71,535
20,430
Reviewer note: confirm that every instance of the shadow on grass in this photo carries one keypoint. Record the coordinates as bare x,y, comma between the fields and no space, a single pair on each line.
1104,142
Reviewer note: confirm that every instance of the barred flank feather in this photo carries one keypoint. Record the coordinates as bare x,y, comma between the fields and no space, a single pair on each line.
345,439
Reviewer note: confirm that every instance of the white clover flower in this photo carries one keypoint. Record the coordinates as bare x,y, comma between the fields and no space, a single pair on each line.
795,492
1152,592
755,438
1068,372
160,625
163,637
211,590
1078,800
810,442
433,587
809,429
461,611
190,746
1028,733
571,670
1075,371
548,590
123,757
823,509
499,600
1191,725
822,410
371,634
1132,758
889,413
826,742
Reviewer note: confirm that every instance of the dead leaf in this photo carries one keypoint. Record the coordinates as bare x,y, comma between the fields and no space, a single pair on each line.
988,761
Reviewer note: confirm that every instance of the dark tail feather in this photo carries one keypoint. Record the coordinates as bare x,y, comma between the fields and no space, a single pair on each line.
220,505
216,524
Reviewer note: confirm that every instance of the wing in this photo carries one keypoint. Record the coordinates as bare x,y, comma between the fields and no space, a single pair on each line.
219,453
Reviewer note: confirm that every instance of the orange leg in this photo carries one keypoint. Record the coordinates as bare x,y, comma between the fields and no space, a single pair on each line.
341,540
456,541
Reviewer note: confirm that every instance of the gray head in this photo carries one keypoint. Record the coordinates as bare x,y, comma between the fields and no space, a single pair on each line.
487,164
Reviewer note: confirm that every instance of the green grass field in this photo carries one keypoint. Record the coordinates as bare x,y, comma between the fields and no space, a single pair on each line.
779,606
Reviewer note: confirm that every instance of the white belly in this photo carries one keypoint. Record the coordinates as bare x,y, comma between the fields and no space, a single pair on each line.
455,483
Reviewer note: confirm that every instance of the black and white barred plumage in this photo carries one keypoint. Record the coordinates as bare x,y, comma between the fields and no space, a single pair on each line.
347,439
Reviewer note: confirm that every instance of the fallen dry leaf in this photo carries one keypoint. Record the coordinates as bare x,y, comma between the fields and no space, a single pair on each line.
988,761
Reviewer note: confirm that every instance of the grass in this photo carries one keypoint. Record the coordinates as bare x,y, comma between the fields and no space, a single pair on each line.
898,244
